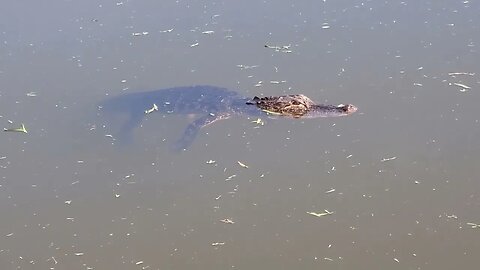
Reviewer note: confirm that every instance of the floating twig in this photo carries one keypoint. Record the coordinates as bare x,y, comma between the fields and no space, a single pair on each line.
21,129
154,108
326,213
242,165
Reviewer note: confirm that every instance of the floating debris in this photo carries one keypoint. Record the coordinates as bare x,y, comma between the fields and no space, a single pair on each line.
166,31
137,34
330,191
243,165
55,261
283,48
246,67
463,86
227,221
326,213
21,129
258,84
325,26
215,244
272,47
154,108
231,177
31,94
208,32
211,161
259,121
461,73
473,225
388,159
194,45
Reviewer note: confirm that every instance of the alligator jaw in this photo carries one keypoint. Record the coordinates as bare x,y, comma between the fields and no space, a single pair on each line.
330,111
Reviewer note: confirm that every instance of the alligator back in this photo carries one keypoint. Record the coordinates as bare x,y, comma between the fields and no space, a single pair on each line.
178,100
211,102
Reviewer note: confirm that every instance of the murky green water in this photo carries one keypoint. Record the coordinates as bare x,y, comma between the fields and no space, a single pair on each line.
394,186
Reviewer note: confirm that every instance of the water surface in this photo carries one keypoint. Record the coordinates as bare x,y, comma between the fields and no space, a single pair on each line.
399,178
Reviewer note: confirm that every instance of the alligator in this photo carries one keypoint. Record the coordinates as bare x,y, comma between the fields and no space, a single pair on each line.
212,104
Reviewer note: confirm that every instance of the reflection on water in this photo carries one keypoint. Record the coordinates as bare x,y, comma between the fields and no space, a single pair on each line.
393,186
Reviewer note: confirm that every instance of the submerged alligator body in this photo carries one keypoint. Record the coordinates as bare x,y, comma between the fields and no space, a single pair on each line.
211,104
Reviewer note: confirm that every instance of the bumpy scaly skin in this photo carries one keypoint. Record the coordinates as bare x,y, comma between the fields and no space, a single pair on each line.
299,106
